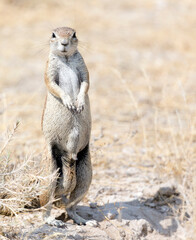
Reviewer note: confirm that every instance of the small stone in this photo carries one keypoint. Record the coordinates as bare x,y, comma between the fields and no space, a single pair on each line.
93,205
75,237
164,209
80,229
143,228
122,234
150,204
138,194
92,223
111,216
167,191
126,222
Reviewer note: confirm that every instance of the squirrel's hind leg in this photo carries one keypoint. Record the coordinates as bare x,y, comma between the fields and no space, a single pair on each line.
71,212
83,181
54,155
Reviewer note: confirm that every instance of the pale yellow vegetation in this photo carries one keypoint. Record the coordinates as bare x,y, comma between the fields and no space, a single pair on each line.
141,57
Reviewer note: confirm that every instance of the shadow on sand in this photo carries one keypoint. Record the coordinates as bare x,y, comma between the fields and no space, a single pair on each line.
133,210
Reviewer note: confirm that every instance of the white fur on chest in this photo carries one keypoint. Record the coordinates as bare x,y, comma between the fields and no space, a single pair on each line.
67,76
68,80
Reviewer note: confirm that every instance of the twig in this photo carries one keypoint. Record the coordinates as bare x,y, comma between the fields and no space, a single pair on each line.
10,137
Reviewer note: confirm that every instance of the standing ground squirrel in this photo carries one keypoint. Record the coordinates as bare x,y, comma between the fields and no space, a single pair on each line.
66,124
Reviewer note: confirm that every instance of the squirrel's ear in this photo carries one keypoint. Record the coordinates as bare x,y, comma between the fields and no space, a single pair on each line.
74,35
53,35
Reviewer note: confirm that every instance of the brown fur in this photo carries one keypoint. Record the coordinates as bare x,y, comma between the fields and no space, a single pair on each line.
66,124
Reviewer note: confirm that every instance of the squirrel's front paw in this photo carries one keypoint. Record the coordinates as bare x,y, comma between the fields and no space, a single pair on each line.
69,103
80,104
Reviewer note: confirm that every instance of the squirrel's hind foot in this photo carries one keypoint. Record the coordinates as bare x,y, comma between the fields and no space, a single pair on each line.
79,220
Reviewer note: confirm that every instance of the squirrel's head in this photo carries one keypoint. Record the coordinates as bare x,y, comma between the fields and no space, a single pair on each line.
63,41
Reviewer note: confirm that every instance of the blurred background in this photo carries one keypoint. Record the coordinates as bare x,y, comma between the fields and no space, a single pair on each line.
141,57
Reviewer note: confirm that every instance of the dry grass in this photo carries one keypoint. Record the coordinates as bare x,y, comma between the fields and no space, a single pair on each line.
21,181
142,61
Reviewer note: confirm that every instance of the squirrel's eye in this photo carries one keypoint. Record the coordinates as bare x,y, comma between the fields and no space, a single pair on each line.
53,35
74,35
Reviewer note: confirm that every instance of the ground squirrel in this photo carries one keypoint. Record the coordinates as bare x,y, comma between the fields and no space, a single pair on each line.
66,123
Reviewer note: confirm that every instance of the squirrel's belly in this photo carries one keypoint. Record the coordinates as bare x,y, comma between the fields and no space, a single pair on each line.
69,82
61,126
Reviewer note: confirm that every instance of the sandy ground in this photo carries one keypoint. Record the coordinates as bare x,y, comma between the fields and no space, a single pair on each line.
141,59
130,209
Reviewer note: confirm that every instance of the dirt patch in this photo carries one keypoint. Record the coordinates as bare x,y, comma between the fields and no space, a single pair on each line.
128,219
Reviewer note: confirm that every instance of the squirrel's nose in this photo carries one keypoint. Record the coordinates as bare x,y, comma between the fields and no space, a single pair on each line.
64,42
